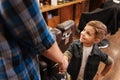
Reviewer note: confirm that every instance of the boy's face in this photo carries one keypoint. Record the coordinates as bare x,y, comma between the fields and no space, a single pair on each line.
88,36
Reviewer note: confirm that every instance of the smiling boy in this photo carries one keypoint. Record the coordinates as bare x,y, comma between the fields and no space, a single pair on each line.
84,55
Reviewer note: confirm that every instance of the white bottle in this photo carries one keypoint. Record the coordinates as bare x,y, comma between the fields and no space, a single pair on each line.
53,2
116,1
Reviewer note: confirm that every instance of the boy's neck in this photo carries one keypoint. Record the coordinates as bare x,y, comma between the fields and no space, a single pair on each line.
88,44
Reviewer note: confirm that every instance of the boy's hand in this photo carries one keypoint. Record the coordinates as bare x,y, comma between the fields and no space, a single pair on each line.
66,58
99,76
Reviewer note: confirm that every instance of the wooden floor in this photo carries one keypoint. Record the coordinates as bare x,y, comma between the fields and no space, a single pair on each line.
114,51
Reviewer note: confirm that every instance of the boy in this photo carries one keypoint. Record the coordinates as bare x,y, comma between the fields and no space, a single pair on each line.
84,55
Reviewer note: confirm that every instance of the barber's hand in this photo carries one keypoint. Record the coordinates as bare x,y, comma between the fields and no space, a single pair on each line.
63,66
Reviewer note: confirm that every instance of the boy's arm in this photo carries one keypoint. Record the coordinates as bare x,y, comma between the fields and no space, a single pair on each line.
68,55
109,64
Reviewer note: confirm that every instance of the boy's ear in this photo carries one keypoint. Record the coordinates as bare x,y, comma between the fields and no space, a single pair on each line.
97,40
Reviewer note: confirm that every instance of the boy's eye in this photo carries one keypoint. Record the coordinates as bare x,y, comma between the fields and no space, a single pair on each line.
88,33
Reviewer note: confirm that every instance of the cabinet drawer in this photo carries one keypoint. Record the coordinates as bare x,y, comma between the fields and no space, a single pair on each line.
54,21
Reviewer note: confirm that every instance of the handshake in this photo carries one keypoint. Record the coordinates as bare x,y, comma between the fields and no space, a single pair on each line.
50,69
63,66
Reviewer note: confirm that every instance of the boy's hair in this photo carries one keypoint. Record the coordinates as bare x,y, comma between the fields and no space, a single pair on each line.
100,28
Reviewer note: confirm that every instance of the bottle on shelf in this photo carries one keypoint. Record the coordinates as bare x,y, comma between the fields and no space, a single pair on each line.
54,2
60,1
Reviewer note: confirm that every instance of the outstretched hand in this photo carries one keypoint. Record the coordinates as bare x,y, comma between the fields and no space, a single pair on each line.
63,66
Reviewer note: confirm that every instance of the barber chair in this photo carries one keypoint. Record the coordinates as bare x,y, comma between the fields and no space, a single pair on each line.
63,35
68,30
109,14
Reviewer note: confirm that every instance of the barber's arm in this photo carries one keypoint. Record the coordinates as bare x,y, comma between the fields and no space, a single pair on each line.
27,25
55,54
